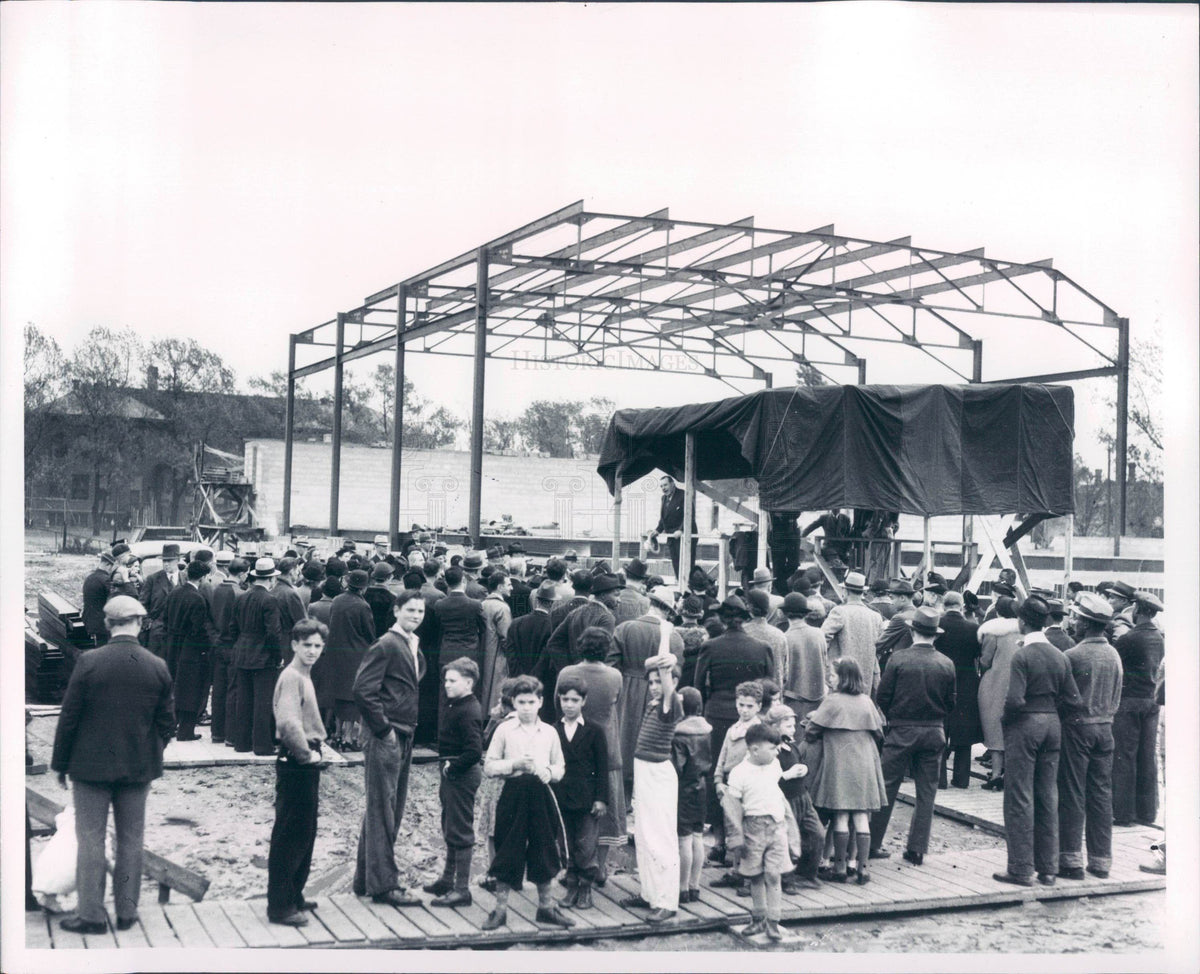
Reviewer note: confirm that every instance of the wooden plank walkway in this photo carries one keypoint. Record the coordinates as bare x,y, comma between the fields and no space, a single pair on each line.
945,882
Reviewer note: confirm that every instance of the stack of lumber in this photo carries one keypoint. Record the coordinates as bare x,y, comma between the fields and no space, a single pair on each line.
45,668
60,626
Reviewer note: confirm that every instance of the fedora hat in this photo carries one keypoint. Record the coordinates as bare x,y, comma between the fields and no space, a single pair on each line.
636,570
547,592
900,586
495,552
264,568
935,583
735,606
381,572
1003,588
925,621
1123,590
1094,607
472,561
170,550
762,576
855,581
605,583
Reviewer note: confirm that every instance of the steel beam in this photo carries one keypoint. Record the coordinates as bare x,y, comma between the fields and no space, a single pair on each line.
335,465
1122,427
1060,376
289,428
480,363
397,428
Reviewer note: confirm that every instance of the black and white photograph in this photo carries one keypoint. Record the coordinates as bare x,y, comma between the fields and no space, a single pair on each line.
599,486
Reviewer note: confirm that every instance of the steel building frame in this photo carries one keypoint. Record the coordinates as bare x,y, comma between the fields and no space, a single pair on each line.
729,301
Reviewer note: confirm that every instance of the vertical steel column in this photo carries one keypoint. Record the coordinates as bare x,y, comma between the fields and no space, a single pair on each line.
397,423
616,551
481,311
1068,560
289,428
764,527
1122,468
927,557
689,510
977,360
335,465
862,371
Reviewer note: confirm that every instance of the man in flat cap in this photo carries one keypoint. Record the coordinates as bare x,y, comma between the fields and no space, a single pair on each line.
1085,765
1121,596
1135,726
916,695
1040,687
117,715
95,594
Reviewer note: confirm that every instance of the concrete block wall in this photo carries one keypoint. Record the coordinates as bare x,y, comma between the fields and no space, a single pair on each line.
435,490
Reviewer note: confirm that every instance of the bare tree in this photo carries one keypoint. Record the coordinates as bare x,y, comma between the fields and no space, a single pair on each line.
44,385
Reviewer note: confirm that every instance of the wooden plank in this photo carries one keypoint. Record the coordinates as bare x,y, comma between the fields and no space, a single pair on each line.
701,910
101,941
217,925
606,903
315,931
64,939
187,925
256,933
336,922
947,872
156,928
133,937
530,897
37,931
429,924
394,920
453,920
516,922
284,935
372,927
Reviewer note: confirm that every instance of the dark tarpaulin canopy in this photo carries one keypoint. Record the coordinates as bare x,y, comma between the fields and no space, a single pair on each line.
926,450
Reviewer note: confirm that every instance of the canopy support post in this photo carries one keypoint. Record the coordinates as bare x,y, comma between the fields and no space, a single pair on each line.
1068,563
689,510
289,435
927,552
722,567
1122,445
616,542
764,526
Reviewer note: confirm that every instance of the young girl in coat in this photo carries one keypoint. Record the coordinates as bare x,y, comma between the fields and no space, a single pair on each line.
850,781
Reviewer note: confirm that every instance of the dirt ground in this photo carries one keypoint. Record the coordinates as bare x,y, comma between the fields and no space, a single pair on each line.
218,821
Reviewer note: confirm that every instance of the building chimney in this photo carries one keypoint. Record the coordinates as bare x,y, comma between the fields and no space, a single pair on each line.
152,378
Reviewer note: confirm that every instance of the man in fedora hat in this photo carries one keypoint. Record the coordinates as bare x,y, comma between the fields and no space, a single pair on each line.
879,601
562,648
1135,726
631,603
190,641
154,598
527,635
670,520
916,694
853,629
472,565
763,579
896,634
116,717
1085,780
933,591
1040,687
257,651
731,658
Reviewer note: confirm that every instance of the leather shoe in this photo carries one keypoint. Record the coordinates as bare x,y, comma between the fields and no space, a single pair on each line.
1010,878
660,916
456,897
1098,873
495,920
633,903
1070,872
80,925
187,737
804,882
439,887
1046,879
488,883
306,905
728,881
993,784
396,897
552,914
879,854
916,858
773,931
754,928
295,919
125,923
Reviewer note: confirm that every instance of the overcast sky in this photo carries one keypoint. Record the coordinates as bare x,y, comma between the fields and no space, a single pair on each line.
238,172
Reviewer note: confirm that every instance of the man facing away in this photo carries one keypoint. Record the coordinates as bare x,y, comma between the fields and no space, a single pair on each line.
853,629
117,715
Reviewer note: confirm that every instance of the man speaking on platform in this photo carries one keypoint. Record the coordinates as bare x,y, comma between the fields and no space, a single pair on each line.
670,520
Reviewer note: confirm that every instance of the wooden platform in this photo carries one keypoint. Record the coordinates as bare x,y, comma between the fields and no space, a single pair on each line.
945,882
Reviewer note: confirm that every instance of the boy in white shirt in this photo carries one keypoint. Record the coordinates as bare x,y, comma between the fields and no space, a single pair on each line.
755,818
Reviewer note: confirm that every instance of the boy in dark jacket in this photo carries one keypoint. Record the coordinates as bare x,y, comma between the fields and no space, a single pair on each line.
795,790
691,753
460,750
583,791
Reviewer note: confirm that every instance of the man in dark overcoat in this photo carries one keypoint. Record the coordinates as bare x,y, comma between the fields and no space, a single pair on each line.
154,597
257,650
963,728
191,638
116,717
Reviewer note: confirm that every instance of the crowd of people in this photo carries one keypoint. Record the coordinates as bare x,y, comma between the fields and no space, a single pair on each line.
563,697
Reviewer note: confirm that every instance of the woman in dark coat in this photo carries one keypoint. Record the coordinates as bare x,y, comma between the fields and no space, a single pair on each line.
963,726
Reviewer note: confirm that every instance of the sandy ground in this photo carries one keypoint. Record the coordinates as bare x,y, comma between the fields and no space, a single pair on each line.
218,821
